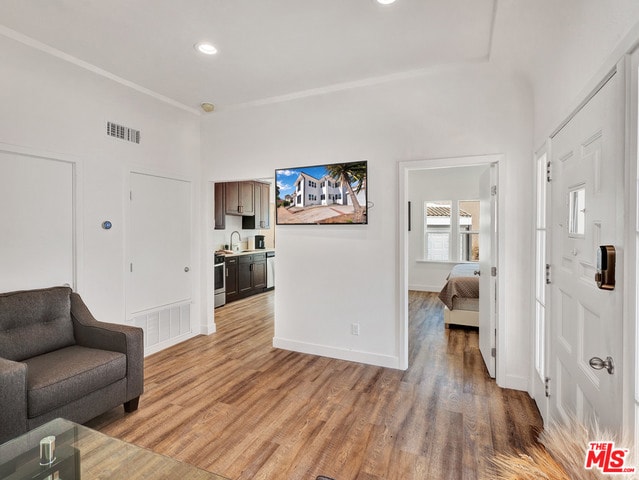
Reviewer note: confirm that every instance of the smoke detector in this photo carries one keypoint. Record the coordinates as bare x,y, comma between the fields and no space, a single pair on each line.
207,107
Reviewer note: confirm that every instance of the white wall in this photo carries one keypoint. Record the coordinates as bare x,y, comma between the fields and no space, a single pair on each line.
559,47
449,113
51,105
461,183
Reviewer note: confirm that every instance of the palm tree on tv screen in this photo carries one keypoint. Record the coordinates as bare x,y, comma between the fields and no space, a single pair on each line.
348,174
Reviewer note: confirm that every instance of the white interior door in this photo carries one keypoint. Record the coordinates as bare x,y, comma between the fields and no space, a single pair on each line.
37,218
160,242
487,260
587,211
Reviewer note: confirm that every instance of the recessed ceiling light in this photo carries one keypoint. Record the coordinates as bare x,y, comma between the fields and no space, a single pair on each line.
206,48
385,2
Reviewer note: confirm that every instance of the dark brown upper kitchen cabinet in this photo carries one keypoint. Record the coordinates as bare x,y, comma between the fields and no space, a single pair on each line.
220,211
239,198
261,219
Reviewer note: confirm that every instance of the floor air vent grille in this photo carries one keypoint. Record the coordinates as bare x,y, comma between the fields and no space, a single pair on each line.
122,132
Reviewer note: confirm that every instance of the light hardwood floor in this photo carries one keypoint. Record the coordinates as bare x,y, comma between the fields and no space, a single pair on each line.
232,404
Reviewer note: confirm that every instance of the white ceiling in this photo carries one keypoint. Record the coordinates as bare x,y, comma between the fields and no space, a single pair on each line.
267,48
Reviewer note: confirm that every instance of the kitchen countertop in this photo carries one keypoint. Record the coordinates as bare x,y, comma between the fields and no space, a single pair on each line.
228,253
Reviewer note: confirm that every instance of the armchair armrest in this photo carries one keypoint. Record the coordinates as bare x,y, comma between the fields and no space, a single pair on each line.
92,333
13,399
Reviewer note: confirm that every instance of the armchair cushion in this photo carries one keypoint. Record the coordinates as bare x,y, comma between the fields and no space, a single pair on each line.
35,322
63,376
13,395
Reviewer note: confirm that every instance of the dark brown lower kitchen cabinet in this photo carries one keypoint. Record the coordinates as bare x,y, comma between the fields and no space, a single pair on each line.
245,275
259,271
232,291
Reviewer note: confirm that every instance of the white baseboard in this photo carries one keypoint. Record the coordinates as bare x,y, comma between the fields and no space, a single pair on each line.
208,329
515,382
426,288
168,343
338,353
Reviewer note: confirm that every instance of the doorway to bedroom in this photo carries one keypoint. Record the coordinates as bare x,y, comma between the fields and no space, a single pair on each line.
450,246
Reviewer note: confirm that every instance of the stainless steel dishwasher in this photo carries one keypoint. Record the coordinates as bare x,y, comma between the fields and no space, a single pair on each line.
270,270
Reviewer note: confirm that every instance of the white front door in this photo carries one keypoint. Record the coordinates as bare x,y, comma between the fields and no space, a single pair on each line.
587,169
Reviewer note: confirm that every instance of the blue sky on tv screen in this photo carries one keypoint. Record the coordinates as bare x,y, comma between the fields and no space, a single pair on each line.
285,178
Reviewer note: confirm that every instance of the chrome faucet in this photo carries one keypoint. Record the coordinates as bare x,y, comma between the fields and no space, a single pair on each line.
239,239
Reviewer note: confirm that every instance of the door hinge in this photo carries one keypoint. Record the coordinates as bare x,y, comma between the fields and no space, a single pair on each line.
493,190
547,386
493,271
548,280
548,173
130,194
131,267
493,352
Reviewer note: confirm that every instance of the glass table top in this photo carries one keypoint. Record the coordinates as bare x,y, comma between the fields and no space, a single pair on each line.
83,453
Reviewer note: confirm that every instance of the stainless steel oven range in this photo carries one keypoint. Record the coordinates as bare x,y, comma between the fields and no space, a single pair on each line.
219,275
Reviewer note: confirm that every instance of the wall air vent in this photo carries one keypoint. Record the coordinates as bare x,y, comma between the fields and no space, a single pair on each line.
122,132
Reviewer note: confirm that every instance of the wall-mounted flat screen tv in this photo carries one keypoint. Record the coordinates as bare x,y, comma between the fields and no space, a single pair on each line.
322,194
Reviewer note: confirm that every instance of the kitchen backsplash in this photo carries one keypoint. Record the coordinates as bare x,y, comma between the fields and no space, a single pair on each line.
233,223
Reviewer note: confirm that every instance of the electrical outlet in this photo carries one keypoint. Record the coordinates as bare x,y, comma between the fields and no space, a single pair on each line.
355,328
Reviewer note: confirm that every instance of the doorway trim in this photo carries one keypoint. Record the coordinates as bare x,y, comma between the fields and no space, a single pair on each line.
630,403
404,168
540,326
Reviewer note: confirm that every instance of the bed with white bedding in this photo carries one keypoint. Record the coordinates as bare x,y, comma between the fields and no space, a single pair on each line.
460,295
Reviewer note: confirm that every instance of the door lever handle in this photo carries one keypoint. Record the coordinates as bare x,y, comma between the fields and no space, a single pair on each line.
598,364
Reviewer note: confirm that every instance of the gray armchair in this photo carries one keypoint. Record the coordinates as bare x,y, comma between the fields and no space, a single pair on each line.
57,360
